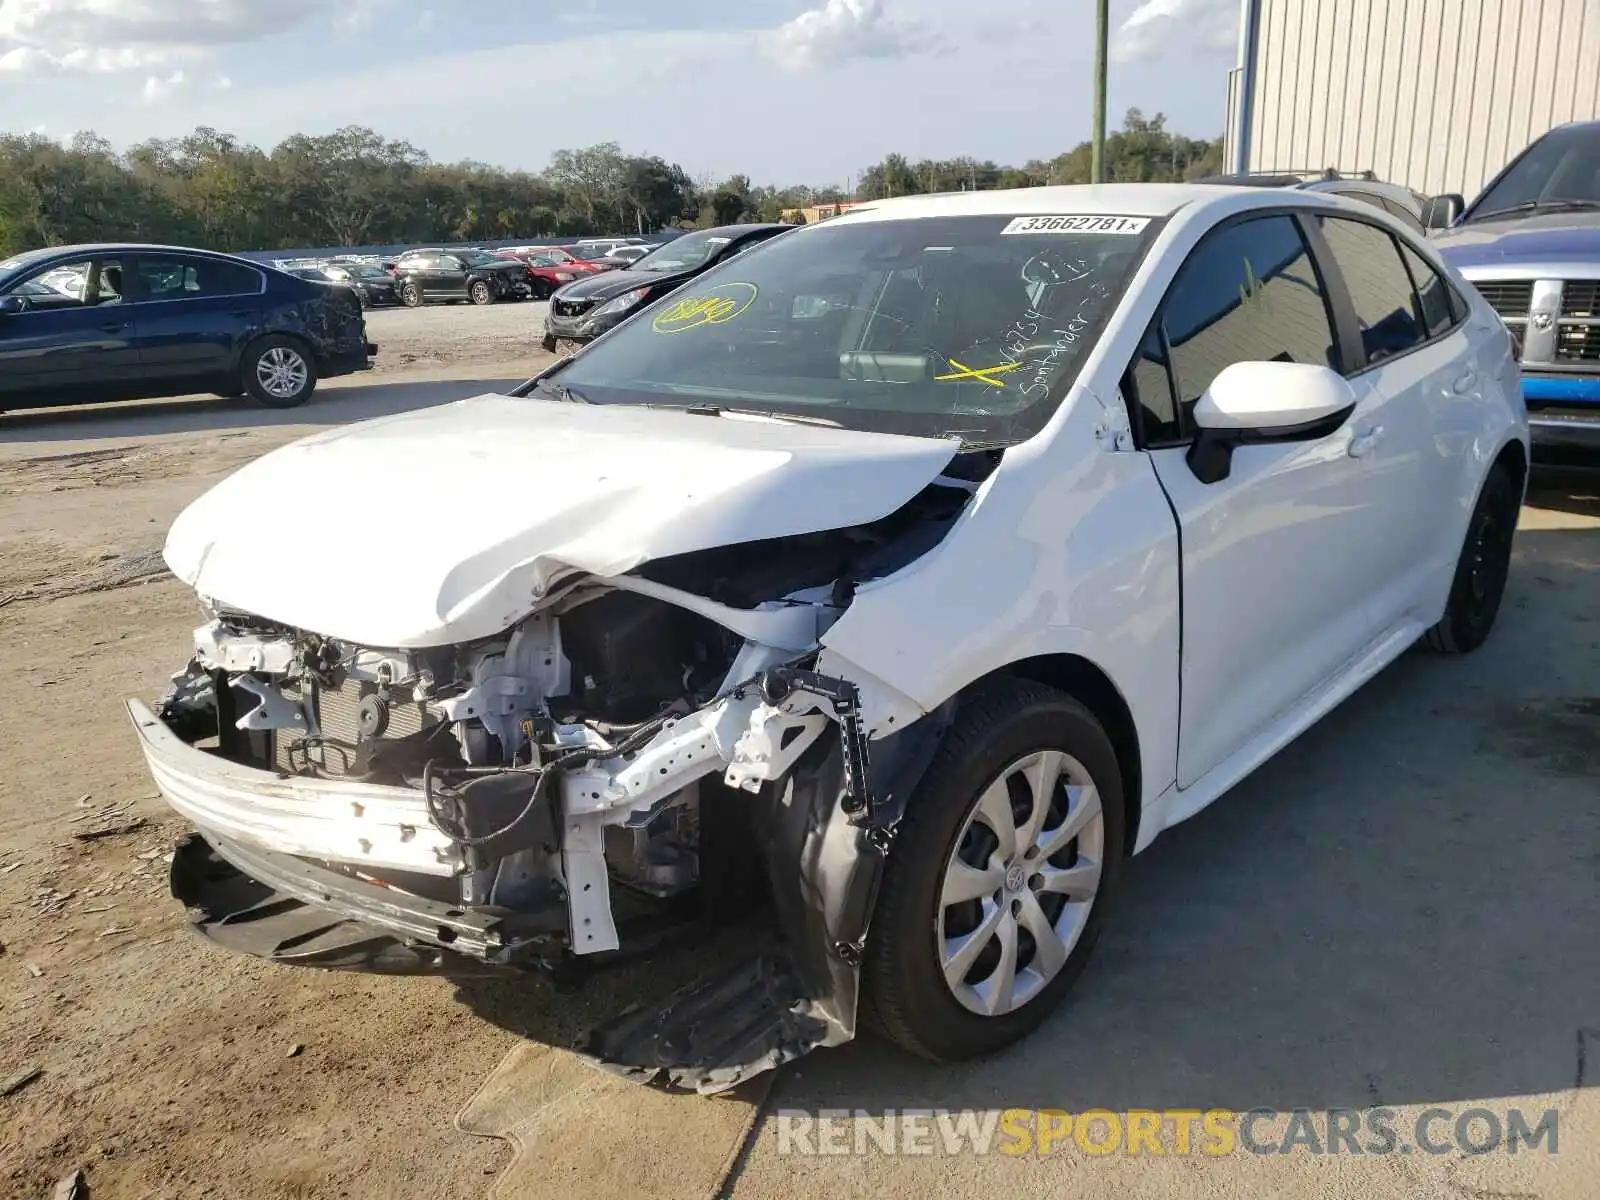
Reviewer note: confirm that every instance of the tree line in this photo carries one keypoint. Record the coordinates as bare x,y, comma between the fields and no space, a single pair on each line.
355,187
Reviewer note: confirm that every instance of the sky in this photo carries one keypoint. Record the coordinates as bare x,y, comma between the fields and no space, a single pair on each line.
784,91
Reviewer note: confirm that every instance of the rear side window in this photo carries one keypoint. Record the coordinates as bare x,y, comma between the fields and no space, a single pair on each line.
195,278
1380,287
1433,293
1248,293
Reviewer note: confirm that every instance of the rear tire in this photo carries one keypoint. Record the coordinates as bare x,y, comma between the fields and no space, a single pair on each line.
1479,584
933,986
549,344
279,372
411,295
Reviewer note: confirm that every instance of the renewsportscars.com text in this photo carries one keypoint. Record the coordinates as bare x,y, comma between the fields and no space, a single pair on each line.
1178,1132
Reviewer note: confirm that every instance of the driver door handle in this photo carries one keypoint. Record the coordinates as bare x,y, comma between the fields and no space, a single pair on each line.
113,327
1365,442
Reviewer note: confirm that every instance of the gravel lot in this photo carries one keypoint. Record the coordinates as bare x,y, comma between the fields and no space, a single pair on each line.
1398,910
443,335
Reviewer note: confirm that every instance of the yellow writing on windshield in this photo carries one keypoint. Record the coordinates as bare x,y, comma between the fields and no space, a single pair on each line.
714,306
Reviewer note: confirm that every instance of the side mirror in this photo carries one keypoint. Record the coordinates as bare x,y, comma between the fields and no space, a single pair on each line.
1257,402
11,305
1443,211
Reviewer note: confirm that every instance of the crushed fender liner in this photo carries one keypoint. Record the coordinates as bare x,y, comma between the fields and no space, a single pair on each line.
824,861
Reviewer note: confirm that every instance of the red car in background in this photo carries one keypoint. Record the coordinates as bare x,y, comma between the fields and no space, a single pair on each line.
549,267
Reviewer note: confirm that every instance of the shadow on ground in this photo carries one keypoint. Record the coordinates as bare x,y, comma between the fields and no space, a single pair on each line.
335,403
1398,909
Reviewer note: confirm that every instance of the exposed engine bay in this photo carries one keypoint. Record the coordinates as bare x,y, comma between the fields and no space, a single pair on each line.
596,762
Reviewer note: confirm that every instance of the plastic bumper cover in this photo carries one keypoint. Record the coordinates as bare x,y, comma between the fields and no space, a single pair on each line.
366,825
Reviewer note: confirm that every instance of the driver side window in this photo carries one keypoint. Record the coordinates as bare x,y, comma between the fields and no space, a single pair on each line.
83,283
1248,293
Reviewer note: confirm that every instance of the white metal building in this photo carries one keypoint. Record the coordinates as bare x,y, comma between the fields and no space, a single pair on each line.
1435,94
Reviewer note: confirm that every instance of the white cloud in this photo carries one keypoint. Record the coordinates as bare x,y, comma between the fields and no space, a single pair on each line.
222,83
842,30
424,21
358,16
1158,27
157,89
137,35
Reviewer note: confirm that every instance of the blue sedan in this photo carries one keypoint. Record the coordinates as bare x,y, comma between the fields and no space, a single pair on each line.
85,324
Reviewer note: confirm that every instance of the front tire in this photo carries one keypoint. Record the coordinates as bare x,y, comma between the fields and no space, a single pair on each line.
999,875
481,293
279,373
1479,584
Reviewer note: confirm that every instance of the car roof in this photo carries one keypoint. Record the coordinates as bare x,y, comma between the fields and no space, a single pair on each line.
48,252
1119,199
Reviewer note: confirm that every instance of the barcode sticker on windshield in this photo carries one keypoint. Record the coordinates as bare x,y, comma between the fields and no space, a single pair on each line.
1077,224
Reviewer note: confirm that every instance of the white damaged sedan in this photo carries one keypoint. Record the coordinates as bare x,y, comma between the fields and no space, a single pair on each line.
897,580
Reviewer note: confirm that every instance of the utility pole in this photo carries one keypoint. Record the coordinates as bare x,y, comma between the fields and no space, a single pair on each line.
1097,162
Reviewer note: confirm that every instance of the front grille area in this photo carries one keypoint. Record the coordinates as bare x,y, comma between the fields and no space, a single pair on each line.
570,308
1509,298
1577,343
337,714
1581,298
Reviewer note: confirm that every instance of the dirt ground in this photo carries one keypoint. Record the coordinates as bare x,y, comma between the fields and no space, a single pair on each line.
1399,908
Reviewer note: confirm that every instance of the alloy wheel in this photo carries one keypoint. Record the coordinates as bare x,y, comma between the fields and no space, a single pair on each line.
1020,882
281,372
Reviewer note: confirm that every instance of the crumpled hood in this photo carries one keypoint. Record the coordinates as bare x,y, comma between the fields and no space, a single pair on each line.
449,524
1546,238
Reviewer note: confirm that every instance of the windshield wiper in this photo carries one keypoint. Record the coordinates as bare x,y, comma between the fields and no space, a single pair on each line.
560,391
1528,206
719,410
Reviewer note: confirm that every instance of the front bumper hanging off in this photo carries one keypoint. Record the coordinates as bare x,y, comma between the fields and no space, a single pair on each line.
258,878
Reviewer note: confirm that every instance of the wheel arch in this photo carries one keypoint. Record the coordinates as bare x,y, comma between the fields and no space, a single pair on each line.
1513,457
301,342
1086,683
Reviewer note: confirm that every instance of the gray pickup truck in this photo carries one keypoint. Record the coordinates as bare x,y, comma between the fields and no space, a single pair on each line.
1531,244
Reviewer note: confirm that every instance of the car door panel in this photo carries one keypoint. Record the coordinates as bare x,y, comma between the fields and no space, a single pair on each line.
74,352
1277,556
188,335
1420,425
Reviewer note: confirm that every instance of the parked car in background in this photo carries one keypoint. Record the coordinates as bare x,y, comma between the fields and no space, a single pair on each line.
151,321
372,285
890,585
545,275
560,257
426,276
1531,244
621,257
594,248
1398,201
584,309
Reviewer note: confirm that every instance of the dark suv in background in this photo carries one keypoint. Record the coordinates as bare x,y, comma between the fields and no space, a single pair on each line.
84,324
475,275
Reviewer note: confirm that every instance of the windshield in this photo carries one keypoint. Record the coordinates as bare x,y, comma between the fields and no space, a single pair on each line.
971,326
557,256
680,254
20,263
477,258
1560,168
